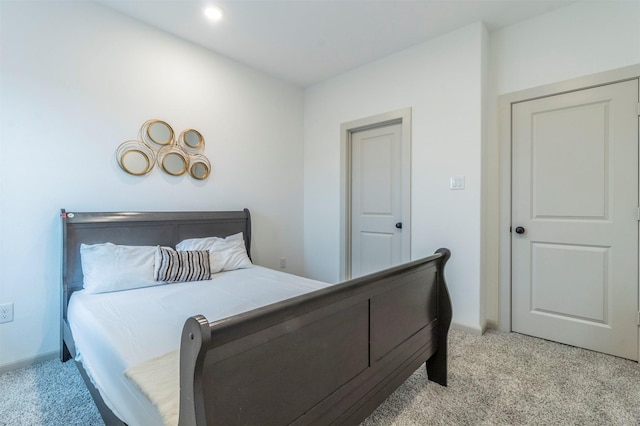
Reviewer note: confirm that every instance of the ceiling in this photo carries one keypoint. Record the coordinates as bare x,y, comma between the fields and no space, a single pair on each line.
307,41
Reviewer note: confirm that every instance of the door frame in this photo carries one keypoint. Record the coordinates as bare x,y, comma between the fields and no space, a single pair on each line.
505,103
402,117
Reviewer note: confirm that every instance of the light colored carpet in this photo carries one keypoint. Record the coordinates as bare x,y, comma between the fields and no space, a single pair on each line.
49,393
495,379
511,379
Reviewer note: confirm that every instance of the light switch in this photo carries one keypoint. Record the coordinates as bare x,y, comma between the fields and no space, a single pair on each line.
456,182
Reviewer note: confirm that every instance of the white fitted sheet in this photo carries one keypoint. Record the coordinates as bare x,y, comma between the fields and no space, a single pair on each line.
115,331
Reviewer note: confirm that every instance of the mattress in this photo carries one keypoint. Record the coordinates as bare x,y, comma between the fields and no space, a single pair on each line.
116,331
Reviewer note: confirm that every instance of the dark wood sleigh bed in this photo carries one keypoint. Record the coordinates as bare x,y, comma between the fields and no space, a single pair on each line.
327,357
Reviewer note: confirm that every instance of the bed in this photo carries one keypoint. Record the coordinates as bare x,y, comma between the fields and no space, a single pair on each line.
248,345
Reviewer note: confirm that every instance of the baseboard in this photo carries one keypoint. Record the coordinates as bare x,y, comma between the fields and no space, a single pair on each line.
4,368
468,328
492,325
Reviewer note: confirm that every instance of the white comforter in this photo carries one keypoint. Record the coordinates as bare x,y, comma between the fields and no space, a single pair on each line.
119,330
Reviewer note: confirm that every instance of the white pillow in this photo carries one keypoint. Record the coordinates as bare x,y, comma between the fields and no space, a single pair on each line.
225,254
197,243
231,252
109,267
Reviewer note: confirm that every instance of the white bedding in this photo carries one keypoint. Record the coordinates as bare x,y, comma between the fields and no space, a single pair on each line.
159,380
119,330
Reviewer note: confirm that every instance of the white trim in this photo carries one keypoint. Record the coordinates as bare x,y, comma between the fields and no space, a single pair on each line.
402,116
468,328
4,368
504,113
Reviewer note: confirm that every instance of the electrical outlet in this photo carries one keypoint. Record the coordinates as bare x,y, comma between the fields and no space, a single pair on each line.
6,312
283,263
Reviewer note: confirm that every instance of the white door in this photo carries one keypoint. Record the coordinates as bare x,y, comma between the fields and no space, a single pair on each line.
376,199
575,218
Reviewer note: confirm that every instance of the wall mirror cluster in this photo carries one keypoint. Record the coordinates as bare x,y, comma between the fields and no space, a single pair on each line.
157,144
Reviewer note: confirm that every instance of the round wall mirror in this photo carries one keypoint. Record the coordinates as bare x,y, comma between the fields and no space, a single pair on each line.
193,139
199,171
135,162
159,132
135,158
199,167
174,163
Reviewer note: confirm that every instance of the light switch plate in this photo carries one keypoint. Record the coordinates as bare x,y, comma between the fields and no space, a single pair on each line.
456,182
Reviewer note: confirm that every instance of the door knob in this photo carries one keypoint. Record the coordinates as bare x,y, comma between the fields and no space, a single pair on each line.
519,230
399,225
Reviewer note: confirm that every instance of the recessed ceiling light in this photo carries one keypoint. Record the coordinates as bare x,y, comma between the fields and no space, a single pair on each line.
214,13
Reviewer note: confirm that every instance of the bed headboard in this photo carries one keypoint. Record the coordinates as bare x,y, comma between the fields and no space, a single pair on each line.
140,228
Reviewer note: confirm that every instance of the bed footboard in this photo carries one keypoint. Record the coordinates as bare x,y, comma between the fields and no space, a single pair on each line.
331,356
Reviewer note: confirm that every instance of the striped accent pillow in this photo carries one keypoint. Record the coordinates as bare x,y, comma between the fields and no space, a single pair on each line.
180,266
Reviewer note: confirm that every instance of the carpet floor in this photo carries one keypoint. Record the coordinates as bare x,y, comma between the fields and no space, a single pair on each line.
494,379
511,379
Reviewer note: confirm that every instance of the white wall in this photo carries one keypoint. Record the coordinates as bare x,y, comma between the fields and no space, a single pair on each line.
441,81
77,80
578,40
452,136
582,39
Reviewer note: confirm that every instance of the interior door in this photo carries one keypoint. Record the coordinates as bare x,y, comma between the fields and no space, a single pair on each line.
575,218
376,204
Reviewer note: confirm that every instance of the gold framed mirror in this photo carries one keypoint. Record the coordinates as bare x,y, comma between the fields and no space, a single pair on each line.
135,158
192,140
157,133
157,144
174,164
136,162
173,160
199,167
